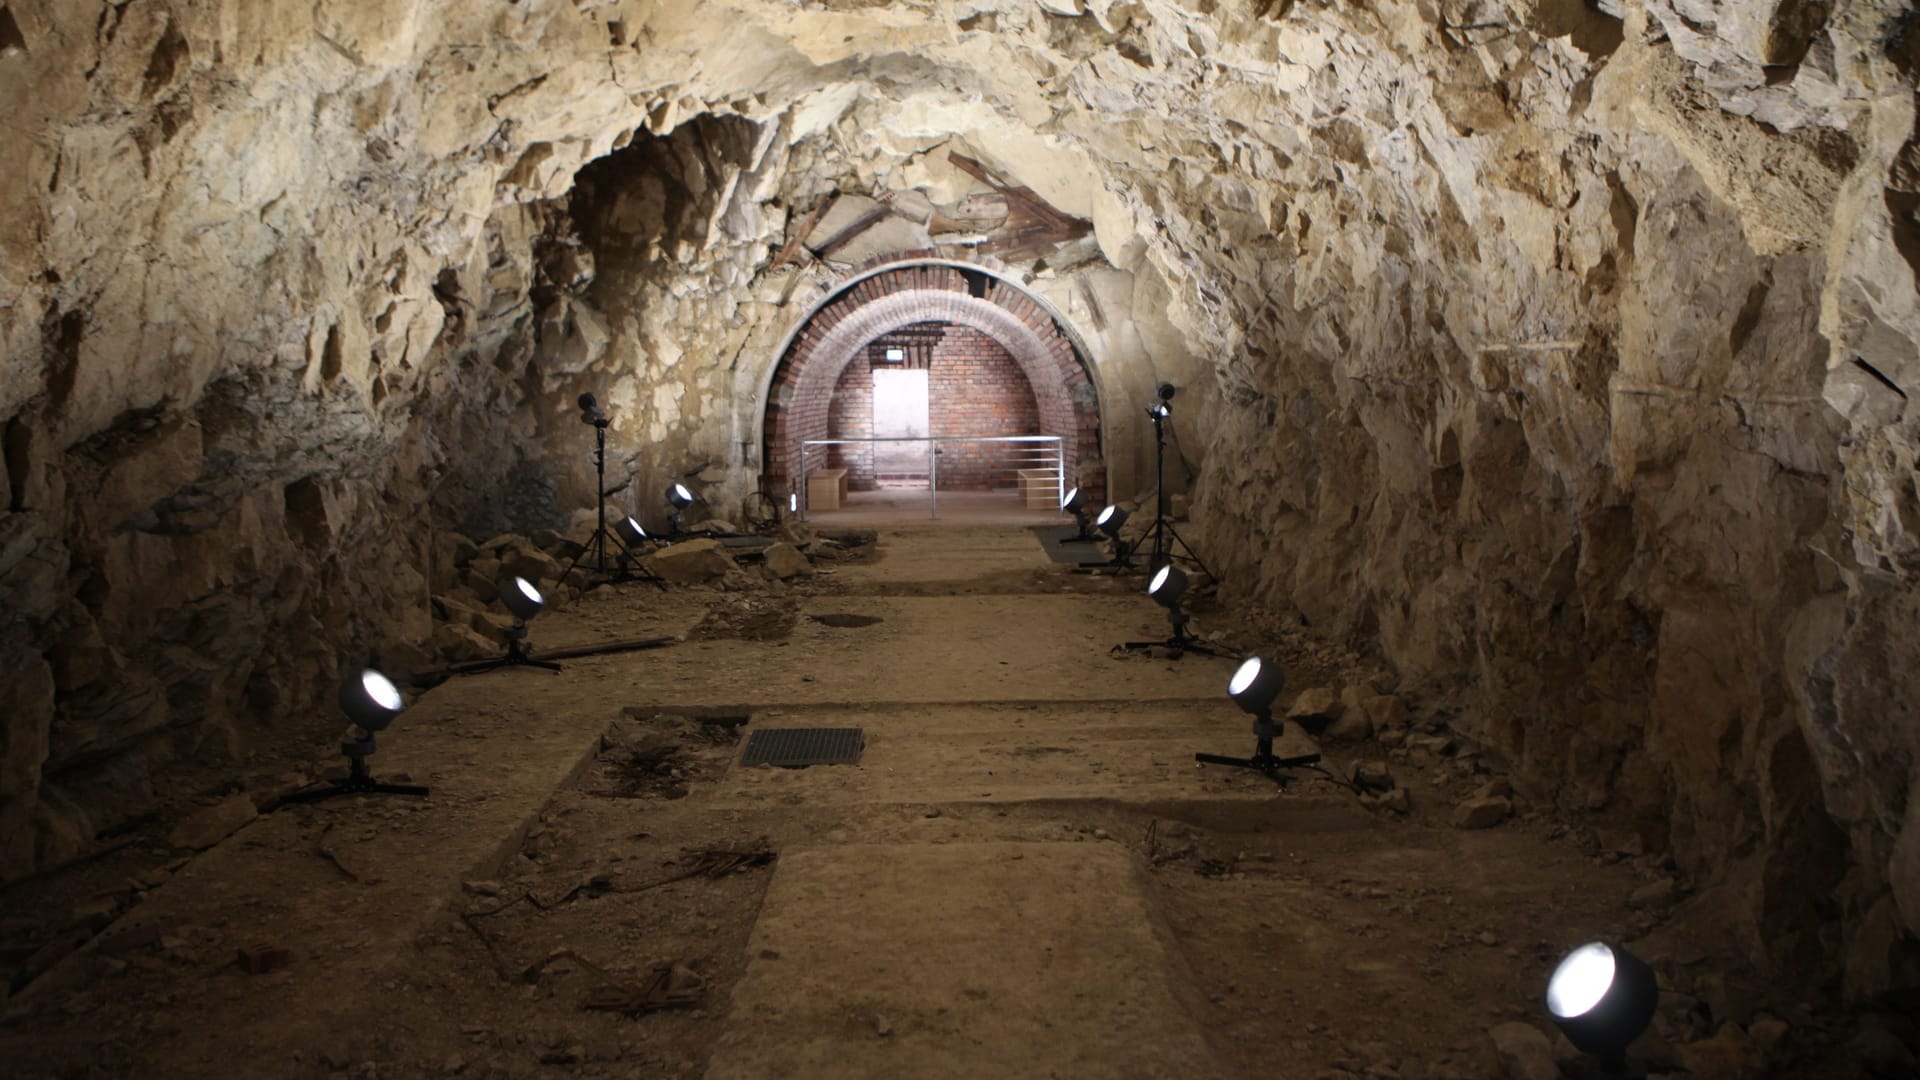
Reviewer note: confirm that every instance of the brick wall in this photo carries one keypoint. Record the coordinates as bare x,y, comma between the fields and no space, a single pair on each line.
976,388
836,338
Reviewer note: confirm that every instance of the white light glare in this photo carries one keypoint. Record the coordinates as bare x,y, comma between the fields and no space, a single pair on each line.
1064,502
1243,678
381,690
526,589
793,502
681,491
1160,578
1580,981
1105,515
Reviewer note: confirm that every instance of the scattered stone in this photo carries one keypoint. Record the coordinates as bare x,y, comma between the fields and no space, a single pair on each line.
1767,1032
214,824
461,643
1352,726
785,561
1728,1055
1653,894
483,577
262,959
1398,801
1489,939
1495,789
882,1027
533,564
1372,776
1432,744
691,562
1315,709
1524,1051
482,888
1481,813
1384,712
557,544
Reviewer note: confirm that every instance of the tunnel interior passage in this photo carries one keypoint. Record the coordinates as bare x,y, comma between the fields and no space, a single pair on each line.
996,364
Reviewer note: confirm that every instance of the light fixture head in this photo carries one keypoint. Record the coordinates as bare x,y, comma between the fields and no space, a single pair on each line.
679,497
1166,391
1167,586
1074,502
1159,410
590,411
1602,997
1110,521
630,532
370,700
522,599
1255,685
793,502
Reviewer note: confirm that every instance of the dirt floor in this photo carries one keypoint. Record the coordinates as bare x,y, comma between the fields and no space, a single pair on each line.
1026,874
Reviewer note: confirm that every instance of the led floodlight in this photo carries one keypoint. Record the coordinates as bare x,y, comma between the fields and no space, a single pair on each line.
630,532
371,700
522,599
1254,686
1169,584
1602,997
679,497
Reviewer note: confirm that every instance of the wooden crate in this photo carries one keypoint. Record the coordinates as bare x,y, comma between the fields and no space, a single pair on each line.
826,489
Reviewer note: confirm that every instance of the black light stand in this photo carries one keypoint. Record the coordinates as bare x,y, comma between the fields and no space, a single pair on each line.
517,654
630,568
590,413
358,780
1263,759
1167,587
1254,688
371,701
1076,504
1162,532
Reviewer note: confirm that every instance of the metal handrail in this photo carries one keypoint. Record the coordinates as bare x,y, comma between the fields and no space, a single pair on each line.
933,466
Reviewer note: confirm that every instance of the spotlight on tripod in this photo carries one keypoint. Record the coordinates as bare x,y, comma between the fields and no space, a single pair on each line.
1161,536
1076,504
523,602
632,539
679,498
1109,522
591,414
1254,687
1166,588
1602,997
371,701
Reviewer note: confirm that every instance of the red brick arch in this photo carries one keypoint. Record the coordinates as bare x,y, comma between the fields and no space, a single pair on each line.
801,389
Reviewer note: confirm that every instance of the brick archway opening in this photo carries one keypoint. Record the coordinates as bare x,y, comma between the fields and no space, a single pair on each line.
998,365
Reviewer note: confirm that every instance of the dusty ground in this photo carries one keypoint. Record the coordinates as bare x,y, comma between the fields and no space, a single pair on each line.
1026,875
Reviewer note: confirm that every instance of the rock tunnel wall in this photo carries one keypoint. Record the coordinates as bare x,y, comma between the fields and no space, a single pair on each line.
1561,352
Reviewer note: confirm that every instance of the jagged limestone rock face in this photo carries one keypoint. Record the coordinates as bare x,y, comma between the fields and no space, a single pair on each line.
1562,351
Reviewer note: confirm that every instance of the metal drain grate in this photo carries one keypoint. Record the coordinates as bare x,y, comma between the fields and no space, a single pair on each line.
797,748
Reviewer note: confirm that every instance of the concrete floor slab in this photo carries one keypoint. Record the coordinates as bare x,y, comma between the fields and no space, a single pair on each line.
1127,752
916,960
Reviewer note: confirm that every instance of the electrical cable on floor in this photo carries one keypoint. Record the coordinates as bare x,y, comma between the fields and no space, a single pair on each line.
1348,784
